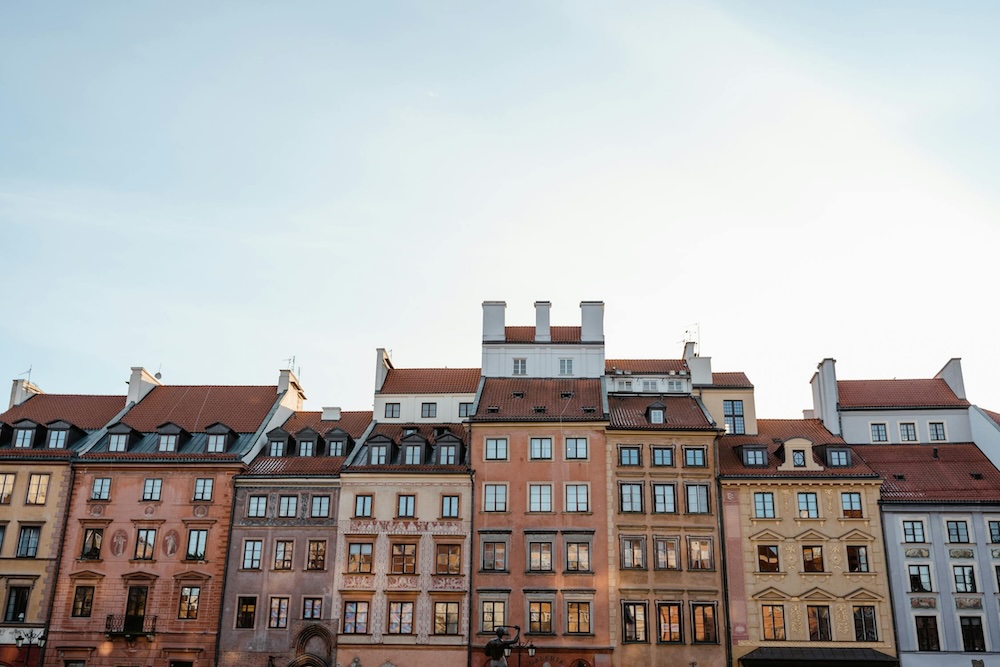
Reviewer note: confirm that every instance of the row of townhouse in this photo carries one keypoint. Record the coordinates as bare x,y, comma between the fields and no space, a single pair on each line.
620,511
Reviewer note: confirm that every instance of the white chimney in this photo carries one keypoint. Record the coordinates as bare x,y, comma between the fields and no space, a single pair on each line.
592,321
825,395
543,332
287,382
139,384
383,364
331,414
493,321
689,351
22,391
952,375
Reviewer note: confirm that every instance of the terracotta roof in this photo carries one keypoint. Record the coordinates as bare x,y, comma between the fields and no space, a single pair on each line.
912,474
87,412
517,398
395,431
995,416
645,366
35,453
932,393
431,381
296,465
772,434
731,379
354,423
527,334
680,412
193,408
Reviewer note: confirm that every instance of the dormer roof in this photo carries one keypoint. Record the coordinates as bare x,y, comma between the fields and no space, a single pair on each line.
679,413
89,413
773,434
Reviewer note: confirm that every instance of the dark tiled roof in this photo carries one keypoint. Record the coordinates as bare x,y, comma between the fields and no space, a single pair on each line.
87,412
354,423
527,334
193,408
431,381
296,465
932,393
680,412
731,379
772,433
517,400
775,656
912,473
395,431
645,366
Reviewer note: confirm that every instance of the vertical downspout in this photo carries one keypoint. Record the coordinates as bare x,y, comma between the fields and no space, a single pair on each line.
722,551
888,574
59,555
472,565
225,577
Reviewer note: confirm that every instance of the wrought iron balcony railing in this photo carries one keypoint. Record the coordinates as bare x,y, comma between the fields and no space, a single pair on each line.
123,625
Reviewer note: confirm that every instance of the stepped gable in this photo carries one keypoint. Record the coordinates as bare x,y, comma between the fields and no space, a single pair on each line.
952,472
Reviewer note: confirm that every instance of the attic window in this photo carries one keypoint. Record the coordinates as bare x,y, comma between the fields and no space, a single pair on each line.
976,475
409,431
216,443
899,478
168,442
118,442
589,408
656,415
756,456
798,458
540,409
439,431
566,394
22,438
517,394
57,439
838,458
493,408
336,448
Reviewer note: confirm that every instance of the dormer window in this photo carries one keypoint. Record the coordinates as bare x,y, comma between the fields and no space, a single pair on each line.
168,442
413,455
493,409
216,444
656,415
276,448
22,438
540,409
447,454
755,456
566,394
378,454
799,458
336,448
57,439
118,442
838,458
409,431
307,448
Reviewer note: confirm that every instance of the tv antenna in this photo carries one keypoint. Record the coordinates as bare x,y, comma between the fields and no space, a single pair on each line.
28,372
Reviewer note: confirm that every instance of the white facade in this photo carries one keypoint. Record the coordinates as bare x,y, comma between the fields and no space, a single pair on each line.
447,408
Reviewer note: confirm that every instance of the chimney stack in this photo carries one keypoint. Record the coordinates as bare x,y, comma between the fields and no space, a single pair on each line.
22,391
493,321
287,382
139,384
331,414
543,332
383,364
592,321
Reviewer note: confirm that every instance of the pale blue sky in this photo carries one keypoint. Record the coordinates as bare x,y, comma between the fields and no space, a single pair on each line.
210,188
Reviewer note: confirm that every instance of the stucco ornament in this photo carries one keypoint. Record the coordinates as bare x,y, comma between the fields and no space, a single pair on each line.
118,542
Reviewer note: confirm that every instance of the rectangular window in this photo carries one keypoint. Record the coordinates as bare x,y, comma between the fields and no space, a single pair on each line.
57,439
168,443
864,624
312,608
188,607
251,554
767,558
763,504
839,458
540,617
671,629
629,456
565,367
22,438
496,449
465,409
288,506
246,612
808,506
117,442
203,489
307,448
694,457
17,604
755,457
83,601
634,622
279,613
406,506
578,618
812,559
578,556
495,498
913,531
38,488
819,624
576,449
927,633
257,506
630,497
449,507
6,487
733,413
428,410
700,554
276,448
283,554
92,539
656,415
316,555
520,367
197,544
447,455
879,433
392,410
541,448
355,618
920,578
633,553
448,559
495,556
539,497
101,489
362,506
936,431
649,385
359,558
216,444
851,504
400,618
540,556
958,532
703,623
577,498
666,551
965,579
320,507
446,618
973,640
27,541
857,558
145,542
994,531
663,456
336,448
151,489
907,432
494,614
773,617
697,498
404,559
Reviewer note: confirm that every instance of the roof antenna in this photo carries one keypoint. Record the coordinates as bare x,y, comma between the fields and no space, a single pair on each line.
158,375
693,334
28,372
290,362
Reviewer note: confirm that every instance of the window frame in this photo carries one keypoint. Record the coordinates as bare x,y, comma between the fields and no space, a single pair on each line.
878,432
360,557
671,631
634,496
316,555
852,504
632,552
498,503
83,602
540,448
399,619
763,503
924,639
152,489
204,488
360,612
575,504
253,550
246,612
772,558
450,556
428,410
656,456
284,554
363,502
908,432
695,457
734,417
38,488
406,506
960,534
807,505
450,506
662,504
188,603
819,615
702,501
540,498
391,411
450,612
277,617
256,506
640,626
288,507
403,558
910,526
492,449
776,624
101,489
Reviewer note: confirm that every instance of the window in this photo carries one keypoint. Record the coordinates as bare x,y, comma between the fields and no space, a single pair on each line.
819,624
649,385
495,556
446,618
307,448
630,497
799,458
336,448
448,559
117,442
857,558
520,367
288,506
755,457
808,507
17,604
733,413
697,498
864,624
404,559
101,490
694,457
773,616
578,618
428,410
203,489
972,634
216,444
812,559
447,454
965,578
937,431
666,553
670,623
540,617
27,541
634,622
312,608
539,556
362,506
763,504
578,556
400,618
355,618
994,531
257,506
168,443
958,532
283,554
577,498
246,612
703,623
879,433
57,439
276,448
320,506
663,456
700,554
656,415
495,499
359,558
629,456
188,608
392,410
38,487
494,614
907,432
22,438
539,497
279,613
151,489
565,367
6,487
838,458
496,449
251,554
92,539
316,555
913,531
465,409
541,448
664,501
927,633
449,507
406,506
413,455
144,543
851,504
767,558
83,601
633,553
920,578
197,544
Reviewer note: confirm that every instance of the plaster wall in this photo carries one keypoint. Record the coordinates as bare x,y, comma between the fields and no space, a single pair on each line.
410,407
542,360
856,424
713,400
985,433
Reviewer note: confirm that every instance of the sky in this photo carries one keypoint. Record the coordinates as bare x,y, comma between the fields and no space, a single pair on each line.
209,190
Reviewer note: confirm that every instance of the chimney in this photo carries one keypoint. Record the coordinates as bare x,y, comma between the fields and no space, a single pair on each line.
22,391
952,375
287,382
331,414
139,384
493,321
383,364
825,395
543,332
689,351
592,321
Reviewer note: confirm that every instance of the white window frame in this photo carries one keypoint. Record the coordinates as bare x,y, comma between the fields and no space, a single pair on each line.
575,504
566,366
539,497
499,501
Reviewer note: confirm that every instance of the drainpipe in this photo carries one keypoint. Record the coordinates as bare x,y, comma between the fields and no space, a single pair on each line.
722,552
59,555
225,578
472,566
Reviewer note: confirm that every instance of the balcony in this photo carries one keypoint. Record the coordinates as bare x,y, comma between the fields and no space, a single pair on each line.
129,627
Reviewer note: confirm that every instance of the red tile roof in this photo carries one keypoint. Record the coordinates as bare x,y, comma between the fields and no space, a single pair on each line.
912,474
645,366
731,379
193,408
296,465
932,393
431,381
772,434
680,412
527,334
500,393
995,416
354,423
395,431
35,453
87,412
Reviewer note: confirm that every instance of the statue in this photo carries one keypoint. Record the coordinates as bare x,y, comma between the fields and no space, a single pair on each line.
495,646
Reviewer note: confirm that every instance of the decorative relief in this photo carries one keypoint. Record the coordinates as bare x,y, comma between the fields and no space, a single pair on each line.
448,583
995,553
405,527
786,497
358,581
961,553
923,603
917,552
200,511
97,510
149,511
170,542
843,620
829,502
790,558
118,542
400,581
968,603
796,619
836,558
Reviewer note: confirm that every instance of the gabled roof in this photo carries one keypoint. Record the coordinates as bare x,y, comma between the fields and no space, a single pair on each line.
353,423
431,381
87,412
540,400
736,379
995,416
295,466
194,408
427,431
680,412
913,474
645,366
527,334
929,393
772,434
